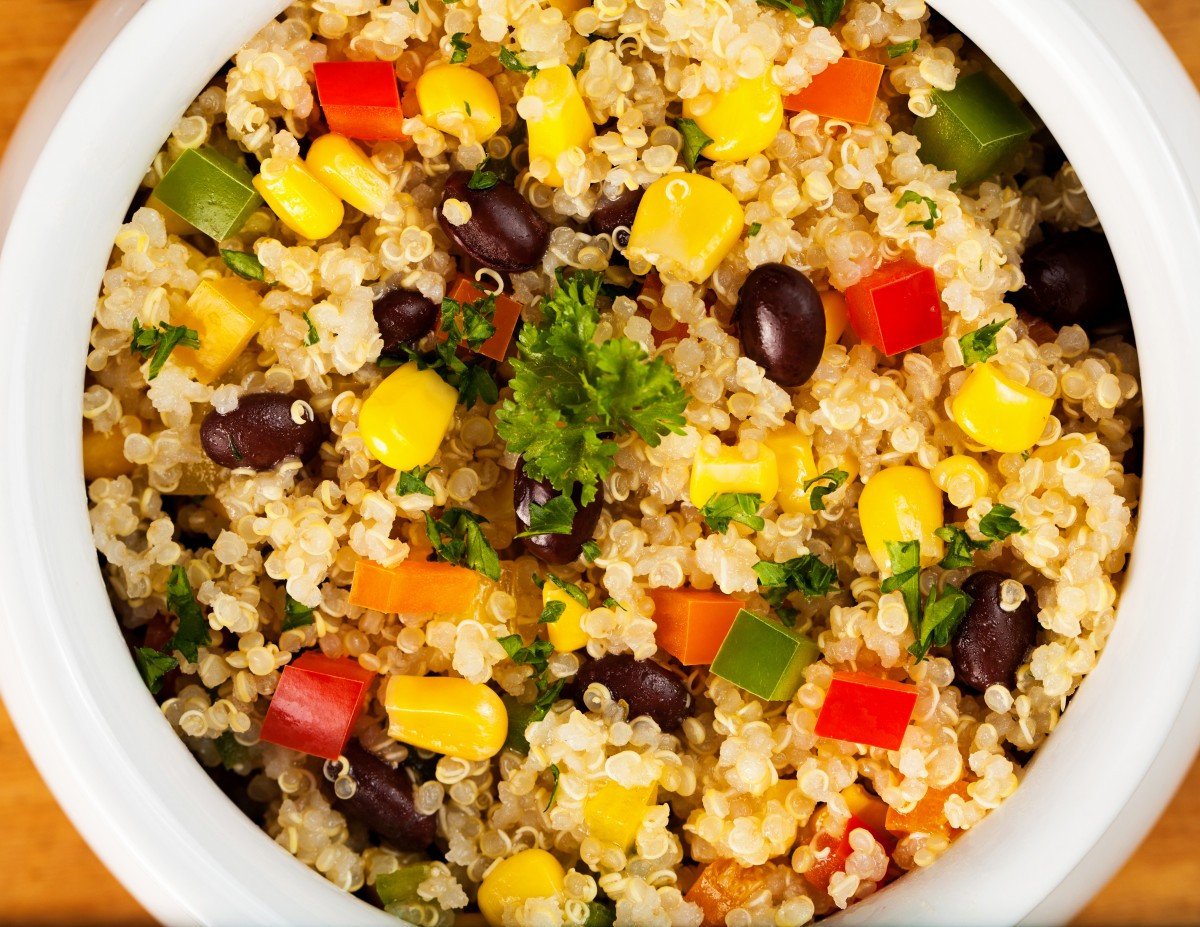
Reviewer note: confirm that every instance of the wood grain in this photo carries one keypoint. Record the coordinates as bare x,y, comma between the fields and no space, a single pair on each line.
51,877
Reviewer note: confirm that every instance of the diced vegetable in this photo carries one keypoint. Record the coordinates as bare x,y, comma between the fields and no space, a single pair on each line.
896,308
764,658
728,471
685,225
209,191
867,710
174,223
741,121
901,504
614,813
415,587
505,318
564,123
405,419
225,314
447,715
845,90
976,129
961,478
794,457
360,99
568,7
832,854
870,811
999,413
565,632
837,316
460,102
929,815
724,885
299,199
196,478
104,453
400,887
316,703
345,169
692,623
528,874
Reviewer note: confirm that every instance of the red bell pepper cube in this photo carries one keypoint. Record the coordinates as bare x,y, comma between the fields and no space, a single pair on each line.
845,90
896,308
868,710
360,99
316,703
508,311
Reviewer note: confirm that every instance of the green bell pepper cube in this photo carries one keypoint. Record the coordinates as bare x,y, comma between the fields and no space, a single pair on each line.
210,191
400,887
976,130
764,658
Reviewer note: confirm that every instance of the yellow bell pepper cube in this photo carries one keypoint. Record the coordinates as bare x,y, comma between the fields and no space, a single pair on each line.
866,807
459,101
104,453
302,203
404,421
794,456
961,478
901,504
346,170
174,223
998,413
568,7
528,874
565,122
225,314
685,225
729,471
837,316
447,715
614,813
741,121
566,634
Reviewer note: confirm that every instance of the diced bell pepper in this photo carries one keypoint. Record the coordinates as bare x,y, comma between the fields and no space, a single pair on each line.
565,122
104,452
794,456
614,813
345,169
316,703
508,313
196,478
897,308
729,471
460,102
415,587
302,203
209,191
901,504
360,99
447,715
685,225
225,315
871,813
837,316
724,885
566,634
864,709
400,886
692,623
845,90
998,413
764,658
404,421
741,121
929,814
528,874
569,7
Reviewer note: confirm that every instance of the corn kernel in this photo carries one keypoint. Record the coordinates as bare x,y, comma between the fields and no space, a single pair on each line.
459,102
302,203
1063,446
566,634
901,504
447,715
104,452
837,316
794,455
346,170
962,478
404,421
998,413
226,314
685,225
528,874
741,121
565,123
614,814
569,7
729,471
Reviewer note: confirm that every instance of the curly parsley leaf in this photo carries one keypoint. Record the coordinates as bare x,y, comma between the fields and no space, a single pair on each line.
943,612
694,141
722,508
822,486
193,631
457,538
296,615
313,335
552,612
570,589
245,265
591,550
912,196
822,12
960,547
905,48
998,523
510,61
156,344
979,345
481,178
555,517
808,574
905,557
153,667
410,481
460,46
572,398
554,791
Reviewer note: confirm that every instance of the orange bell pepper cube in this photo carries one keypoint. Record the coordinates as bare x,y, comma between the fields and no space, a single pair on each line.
723,886
360,99
693,624
897,308
508,311
316,703
864,709
414,587
845,90
929,815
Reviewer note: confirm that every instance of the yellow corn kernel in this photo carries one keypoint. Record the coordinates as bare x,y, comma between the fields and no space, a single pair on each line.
794,455
836,316
614,814
564,123
302,203
741,121
961,478
104,452
866,807
1063,446
685,225
569,7
226,314
901,504
404,420
459,102
998,413
729,471
528,874
346,170
566,634
447,715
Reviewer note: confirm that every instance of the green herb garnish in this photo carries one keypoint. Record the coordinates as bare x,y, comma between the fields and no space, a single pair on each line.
998,523
754,229
943,612
694,141
457,538
296,614
553,792
313,335
590,551
513,63
245,265
193,631
552,612
822,486
912,196
898,51
579,63
570,589
979,345
725,507
414,5
905,558
482,179
158,343
555,517
153,667
612,603
808,574
231,752
822,12
960,547
410,481
460,47
535,655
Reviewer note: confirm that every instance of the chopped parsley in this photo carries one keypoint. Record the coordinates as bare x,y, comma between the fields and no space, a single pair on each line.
156,344
460,46
912,196
960,547
905,48
725,507
457,538
754,229
462,323
579,63
822,12
555,517
694,141
553,792
591,550
481,178
313,335
414,5
905,558
570,589
612,603
979,345
536,655
808,574
998,523
296,614
513,63
467,106
245,265
231,752
413,481
153,667
934,624
193,631
552,612
573,398
822,486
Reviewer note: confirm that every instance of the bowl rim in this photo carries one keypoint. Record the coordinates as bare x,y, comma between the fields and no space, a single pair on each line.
116,767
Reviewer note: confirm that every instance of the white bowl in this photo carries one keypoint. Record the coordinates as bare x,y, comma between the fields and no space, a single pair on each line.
1124,111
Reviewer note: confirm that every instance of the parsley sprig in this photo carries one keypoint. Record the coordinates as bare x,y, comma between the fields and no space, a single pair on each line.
996,525
481,177
510,61
244,264
461,47
821,12
934,623
694,141
457,538
555,517
313,335
980,345
153,667
722,508
156,344
413,481
296,615
193,629
809,575
822,486
904,48
912,196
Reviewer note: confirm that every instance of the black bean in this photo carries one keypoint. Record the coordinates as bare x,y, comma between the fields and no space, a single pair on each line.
1072,279
647,687
610,215
261,432
504,232
404,318
554,548
990,643
782,323
383,800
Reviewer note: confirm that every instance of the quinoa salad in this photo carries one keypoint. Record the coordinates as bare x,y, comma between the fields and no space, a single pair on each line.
653,463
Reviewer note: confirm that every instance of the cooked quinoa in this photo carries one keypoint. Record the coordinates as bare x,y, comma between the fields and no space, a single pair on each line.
740,779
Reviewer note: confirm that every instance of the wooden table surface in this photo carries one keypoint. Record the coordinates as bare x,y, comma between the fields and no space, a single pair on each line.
49,876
